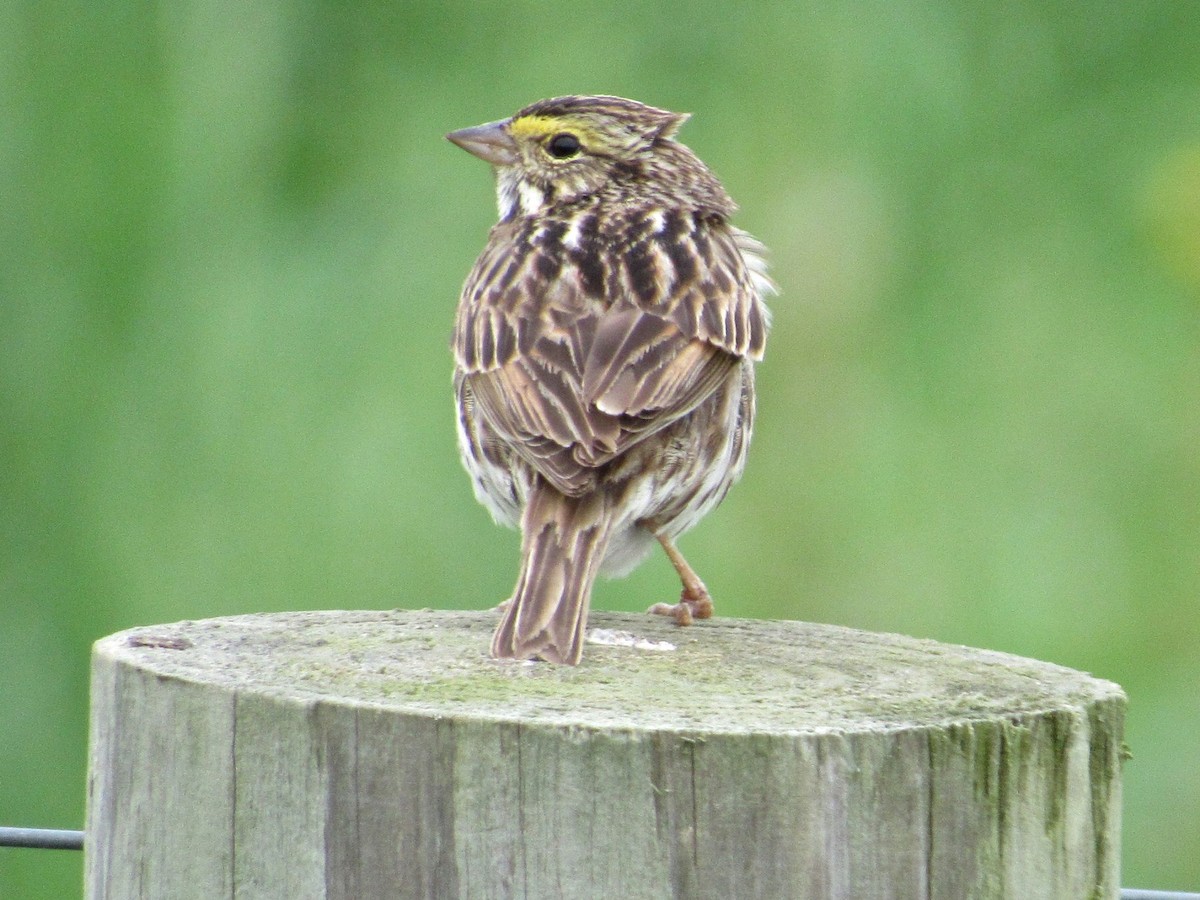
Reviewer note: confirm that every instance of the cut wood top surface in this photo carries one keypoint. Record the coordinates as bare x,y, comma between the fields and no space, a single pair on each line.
639,672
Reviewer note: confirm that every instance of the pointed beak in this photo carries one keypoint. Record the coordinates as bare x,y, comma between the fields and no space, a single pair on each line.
491,142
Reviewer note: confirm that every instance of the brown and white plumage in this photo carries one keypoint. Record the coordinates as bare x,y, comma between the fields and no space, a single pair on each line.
603,354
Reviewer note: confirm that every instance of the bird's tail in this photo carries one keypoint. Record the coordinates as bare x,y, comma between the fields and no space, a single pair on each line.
563,540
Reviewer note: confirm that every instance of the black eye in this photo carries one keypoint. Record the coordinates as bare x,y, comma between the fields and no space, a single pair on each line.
563,146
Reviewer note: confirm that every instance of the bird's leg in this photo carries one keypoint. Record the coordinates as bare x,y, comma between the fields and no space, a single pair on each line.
694,600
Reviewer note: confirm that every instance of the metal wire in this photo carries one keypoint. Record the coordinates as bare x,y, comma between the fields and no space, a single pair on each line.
41,838
59,839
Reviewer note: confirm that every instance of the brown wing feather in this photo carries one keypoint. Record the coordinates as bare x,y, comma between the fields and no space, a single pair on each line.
705,283
641,365
584,364
488,330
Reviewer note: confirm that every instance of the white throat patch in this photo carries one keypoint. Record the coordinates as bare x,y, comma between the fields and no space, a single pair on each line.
515,195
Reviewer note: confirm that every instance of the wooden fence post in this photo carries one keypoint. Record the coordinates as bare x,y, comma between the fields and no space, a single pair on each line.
384,755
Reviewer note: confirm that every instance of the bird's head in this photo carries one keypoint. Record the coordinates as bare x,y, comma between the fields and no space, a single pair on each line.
556,151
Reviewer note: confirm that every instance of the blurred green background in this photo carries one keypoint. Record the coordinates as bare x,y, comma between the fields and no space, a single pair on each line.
232,241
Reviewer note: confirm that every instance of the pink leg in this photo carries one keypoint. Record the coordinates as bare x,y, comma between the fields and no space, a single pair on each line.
694,600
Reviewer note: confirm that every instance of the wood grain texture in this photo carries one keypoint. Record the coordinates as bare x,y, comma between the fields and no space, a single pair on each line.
384,754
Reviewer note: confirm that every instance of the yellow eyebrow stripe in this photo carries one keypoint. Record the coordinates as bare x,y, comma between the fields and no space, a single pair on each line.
542,126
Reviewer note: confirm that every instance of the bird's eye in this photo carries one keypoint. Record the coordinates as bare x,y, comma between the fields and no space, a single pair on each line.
563,146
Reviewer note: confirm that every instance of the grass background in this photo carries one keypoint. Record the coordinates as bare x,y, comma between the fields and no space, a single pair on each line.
231,241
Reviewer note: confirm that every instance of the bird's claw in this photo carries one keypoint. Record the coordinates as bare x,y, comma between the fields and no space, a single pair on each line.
691,606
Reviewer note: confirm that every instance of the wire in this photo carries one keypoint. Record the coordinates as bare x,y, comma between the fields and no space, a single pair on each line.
61,839
41,838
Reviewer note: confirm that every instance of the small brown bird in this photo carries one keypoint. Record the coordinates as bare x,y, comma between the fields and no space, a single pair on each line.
603,349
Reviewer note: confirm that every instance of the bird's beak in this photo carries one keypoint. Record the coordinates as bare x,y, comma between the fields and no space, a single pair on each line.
491,142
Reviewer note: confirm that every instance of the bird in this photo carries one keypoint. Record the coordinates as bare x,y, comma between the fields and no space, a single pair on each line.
604,348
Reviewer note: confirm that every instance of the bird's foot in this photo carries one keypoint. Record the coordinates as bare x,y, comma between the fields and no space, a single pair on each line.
694,603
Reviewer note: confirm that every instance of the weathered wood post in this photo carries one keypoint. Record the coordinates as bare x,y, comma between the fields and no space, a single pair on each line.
384,755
